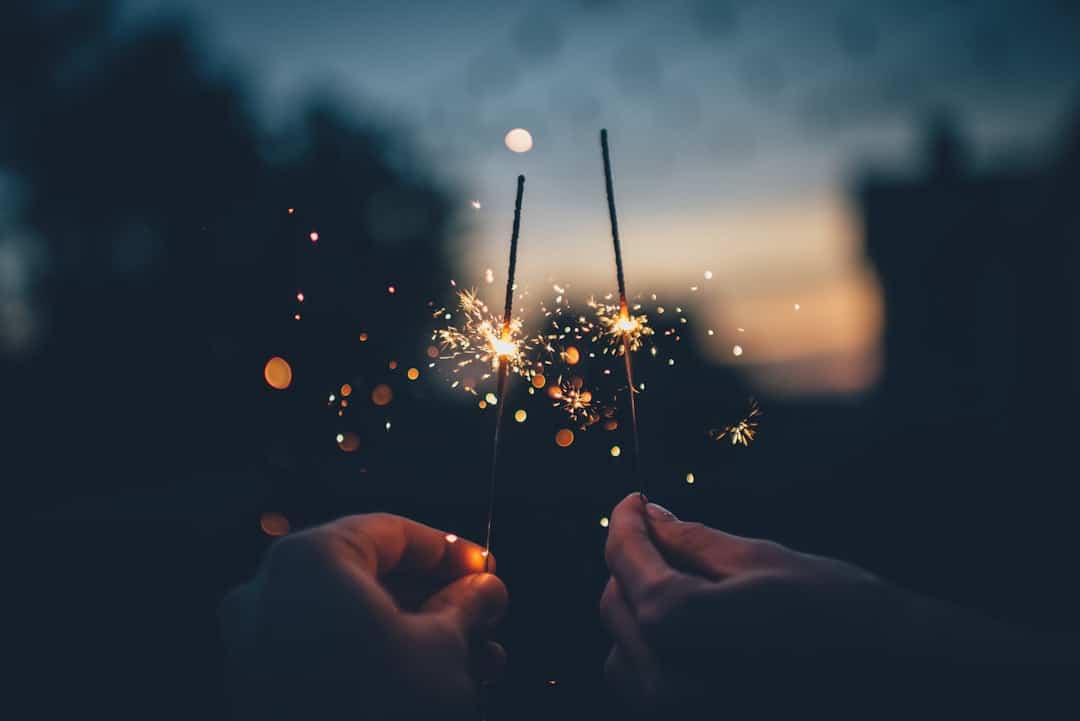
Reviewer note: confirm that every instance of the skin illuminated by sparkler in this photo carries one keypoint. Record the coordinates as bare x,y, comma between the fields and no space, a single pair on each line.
743,431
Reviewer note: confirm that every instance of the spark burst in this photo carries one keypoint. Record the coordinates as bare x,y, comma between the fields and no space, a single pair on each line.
620,330
483,338
743,431
577,402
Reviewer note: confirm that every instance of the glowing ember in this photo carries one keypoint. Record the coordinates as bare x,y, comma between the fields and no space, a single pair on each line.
412,374
314,236
382,394
300,297
520,415
616,451
690,478
564,438
604,521
620,329
391,289
451,538
482,338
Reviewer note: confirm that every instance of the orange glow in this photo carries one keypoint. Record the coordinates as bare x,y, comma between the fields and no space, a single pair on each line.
363,337
349,442
432,352
296,317
278,373
412,374
616,451
391,289
382,394
572,356
292,210
564,438
344,403
554,392
274,524
520,415
611,424
392,365
478,559
346,390
538,381
482,404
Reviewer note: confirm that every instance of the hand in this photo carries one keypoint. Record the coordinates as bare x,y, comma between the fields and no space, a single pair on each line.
697,612
371,616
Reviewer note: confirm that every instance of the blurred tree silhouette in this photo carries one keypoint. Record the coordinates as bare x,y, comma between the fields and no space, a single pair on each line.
172,262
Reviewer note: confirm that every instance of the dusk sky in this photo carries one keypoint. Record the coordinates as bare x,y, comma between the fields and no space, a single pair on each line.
737,130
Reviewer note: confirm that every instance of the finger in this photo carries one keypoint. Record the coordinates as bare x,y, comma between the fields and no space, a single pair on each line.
382,543
696,548
620,623
489,662
476,601
631,556
621,676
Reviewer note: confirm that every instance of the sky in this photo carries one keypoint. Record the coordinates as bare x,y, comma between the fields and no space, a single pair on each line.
737,130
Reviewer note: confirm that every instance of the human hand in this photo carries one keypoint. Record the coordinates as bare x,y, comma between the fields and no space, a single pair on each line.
369,616
695,612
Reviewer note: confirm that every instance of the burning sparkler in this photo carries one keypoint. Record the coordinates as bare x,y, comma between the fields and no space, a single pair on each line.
627,327
503,352
743,431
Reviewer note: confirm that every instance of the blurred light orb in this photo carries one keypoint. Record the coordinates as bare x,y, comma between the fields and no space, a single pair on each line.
348,442
412,374
278,373
690,478
538,381
572,356
797,306
340,437
564,438
314,236
391,289
489,275
616,451
520,415
346,390
708,275
363,337
491,398
476,204
736,351
382,394
432,352
300,297
451,538
604,521
392,365
274,524
519,140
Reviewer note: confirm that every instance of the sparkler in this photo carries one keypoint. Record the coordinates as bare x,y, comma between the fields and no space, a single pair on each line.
504,352
627,327
742,432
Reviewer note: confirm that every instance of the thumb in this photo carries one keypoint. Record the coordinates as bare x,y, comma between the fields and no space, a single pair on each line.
696,548
478,600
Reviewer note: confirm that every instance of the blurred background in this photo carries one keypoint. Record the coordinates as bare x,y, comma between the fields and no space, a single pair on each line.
867,211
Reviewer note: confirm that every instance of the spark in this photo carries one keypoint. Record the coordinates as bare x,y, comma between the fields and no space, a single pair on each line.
476,204
619,329
743,431
604,521
300,297
708,275
615,451
314,235
797,306
577,401
481,338
690,478
451,538
736,350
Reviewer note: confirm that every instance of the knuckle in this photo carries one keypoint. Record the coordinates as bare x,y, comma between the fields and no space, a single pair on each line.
660,599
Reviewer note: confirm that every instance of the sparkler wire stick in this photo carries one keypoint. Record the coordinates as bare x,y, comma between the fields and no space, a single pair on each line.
624,309
504,365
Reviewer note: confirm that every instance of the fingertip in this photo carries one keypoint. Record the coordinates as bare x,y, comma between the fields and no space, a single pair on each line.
492,596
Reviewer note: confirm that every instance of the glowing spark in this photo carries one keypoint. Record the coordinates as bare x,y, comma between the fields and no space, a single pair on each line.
340,437
292,210
489,276
491,399
736,351
451,538
391,289
708,275
520,415
690,478
743,431
616,451
300,297
314,236
604,521
476,204
577,402
797,306
412,374
388,425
